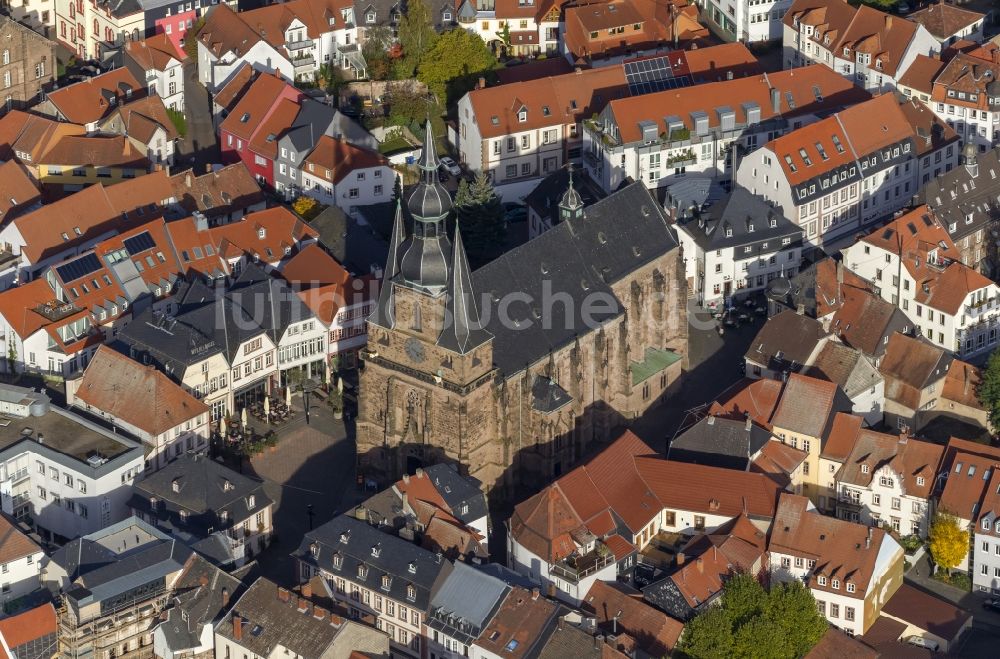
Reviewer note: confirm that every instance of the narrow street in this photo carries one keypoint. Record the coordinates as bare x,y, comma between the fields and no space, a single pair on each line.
199,148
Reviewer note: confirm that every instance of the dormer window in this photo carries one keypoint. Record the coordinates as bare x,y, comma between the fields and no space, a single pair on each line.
175,485
522,115
446,17
729,233
864,469
386,581
251,501
412,567
376,550
370,17
986,524
411,592
821,579
362,571
261,232
750,228
314,550
851,587
835,584
338,561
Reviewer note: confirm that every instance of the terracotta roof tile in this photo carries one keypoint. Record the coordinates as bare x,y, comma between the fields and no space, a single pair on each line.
807,405
656,632
965,462
962,384
836,644
944,20
800,85
842,550
778,461
235,87
18,190
154,52
14,543
522,618
139,395
105,151
256,105
88,101
927,612
30,625
217,193
842,437
332,159
758,398
909,365
143,116
29,134
920,75
280,119
914,462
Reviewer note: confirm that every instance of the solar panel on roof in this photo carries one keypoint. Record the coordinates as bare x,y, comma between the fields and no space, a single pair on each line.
652,75
139,243
80,267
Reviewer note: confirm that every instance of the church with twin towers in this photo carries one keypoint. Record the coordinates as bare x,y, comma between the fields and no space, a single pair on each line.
518,371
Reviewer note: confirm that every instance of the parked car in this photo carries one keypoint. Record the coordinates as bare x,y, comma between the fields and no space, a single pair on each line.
921,642
450,166
992,605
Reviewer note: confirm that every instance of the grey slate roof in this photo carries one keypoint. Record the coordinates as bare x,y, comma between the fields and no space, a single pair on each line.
719,442
966,197
545,198
742,219
205,489
197,604
466,602
547,396
847,367
666,596
458,491
786,341
353,541
579,258
266,621
689,196
568,641
465,331
100,572
359,248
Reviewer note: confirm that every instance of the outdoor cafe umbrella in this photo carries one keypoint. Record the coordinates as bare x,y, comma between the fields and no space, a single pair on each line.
288,396
222,426
267,406
243,416
326,375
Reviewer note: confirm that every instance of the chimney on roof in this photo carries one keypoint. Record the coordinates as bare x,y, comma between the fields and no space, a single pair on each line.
203,580
482,83
187,179
775,101
319,613
701,564
680,558
307,590
225,597
535,593
598,641
711,420
420,472
237,628
303,604
713,504
406,478
888,22
283,594
749,424
404,501
801,310
868,540
578,70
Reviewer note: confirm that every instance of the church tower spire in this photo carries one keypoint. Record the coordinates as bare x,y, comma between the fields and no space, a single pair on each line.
463,330
383,314
425,264
571,205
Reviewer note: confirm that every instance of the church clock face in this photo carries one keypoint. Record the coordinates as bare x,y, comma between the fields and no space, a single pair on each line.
414,350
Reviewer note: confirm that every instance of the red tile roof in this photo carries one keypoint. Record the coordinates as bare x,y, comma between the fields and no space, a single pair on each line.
800,86
14,543
758,398
22,307
843,435
920,75
965,463
104,151
332,159
914,462
155,52
616,609
843,550
321,282
87,101
261,99
944,20
138,395
806,405
31,625
778,461
18,189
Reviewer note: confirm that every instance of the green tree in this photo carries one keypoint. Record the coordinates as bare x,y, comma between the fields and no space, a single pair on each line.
480,217
752,623
454,64
504,35
989,389
709,635
416,37
792,609
378,39
949,542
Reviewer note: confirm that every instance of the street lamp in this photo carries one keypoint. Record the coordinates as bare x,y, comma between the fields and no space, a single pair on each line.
308,386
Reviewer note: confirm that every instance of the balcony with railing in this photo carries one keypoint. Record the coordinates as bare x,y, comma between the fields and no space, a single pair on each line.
578,567
977,309
293,46
19,475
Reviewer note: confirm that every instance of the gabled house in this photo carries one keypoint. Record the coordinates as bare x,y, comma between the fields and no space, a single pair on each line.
22,559
144,402
949,23
785,344
220,513
91,100
158,62
619,610
221,196
869,47
250,132
852,570
338,173
76,161
966,488
888,481
147,127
